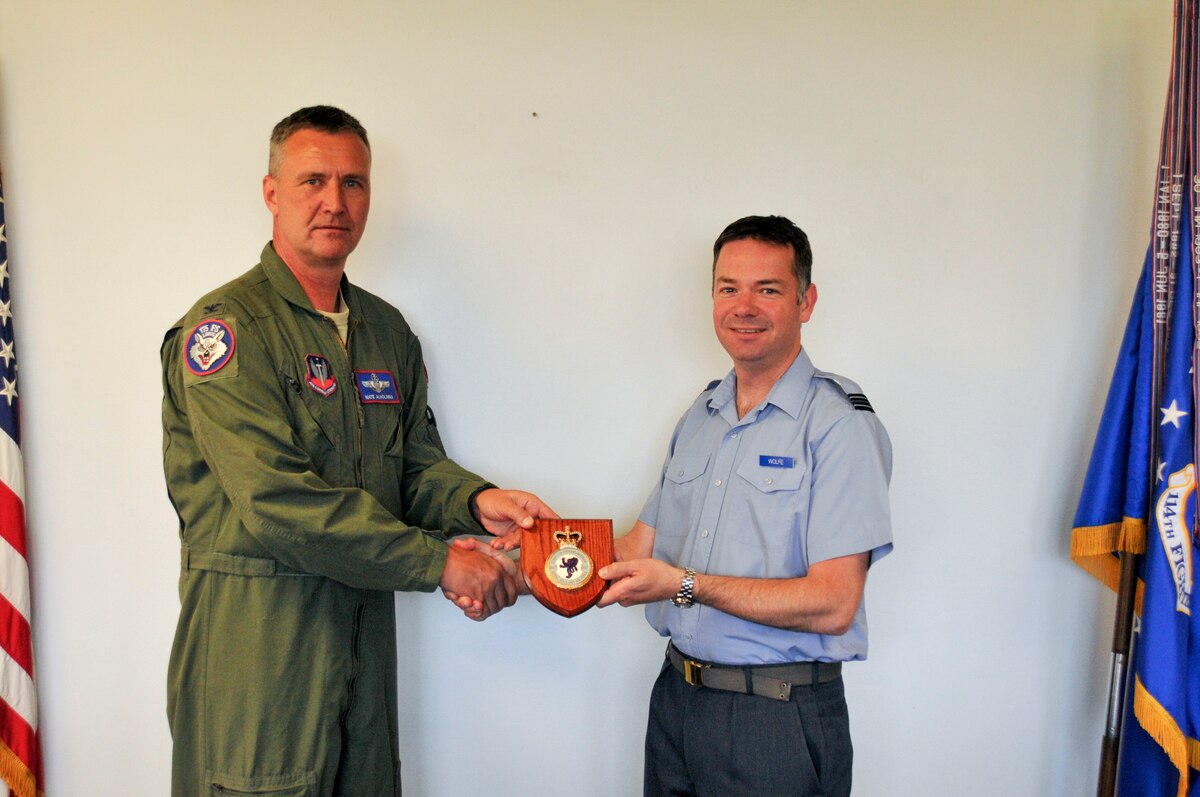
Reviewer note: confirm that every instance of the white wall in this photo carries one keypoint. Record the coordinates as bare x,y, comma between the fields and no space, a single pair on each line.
977,182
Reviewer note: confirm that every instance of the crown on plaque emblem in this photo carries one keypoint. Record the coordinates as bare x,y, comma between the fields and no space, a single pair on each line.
567,537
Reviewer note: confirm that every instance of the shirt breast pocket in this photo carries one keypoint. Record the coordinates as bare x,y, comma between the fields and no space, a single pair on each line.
773,508
682,494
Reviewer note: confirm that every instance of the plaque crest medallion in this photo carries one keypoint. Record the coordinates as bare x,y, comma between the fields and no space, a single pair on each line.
569,567
560,559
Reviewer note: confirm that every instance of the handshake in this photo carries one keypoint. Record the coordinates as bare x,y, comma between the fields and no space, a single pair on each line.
480,578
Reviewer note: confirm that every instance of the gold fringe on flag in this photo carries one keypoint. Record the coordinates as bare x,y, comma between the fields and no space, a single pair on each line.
1163,728
18,777
1092,548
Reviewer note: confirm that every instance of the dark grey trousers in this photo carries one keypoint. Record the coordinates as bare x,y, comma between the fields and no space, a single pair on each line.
707,743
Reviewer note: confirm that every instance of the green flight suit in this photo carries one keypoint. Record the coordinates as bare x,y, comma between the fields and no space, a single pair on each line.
307,493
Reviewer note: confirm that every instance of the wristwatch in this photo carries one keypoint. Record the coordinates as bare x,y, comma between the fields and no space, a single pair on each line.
684,597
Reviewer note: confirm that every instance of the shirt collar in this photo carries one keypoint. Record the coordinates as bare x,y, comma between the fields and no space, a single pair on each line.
787,393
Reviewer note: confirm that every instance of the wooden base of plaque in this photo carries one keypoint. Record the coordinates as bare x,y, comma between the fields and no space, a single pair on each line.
561,559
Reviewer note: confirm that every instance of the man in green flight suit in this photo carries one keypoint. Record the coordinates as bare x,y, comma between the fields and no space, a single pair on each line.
310,483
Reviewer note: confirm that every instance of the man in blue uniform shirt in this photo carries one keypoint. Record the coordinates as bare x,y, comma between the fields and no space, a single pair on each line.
752,551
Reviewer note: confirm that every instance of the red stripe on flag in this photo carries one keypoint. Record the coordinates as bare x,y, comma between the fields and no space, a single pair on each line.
12,519
21,739
15,637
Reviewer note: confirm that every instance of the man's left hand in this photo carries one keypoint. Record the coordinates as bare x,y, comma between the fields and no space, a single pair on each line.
505,512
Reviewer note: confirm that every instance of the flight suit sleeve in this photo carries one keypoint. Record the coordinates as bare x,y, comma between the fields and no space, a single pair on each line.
249,437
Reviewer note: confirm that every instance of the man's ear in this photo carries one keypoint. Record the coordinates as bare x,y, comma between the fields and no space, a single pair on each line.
808,300
269,194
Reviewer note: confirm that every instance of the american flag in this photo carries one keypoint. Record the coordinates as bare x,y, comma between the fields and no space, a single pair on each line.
20,745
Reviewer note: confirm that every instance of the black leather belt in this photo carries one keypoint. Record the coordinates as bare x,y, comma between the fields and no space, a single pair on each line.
765,680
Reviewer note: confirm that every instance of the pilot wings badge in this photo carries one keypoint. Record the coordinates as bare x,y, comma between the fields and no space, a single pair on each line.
560,559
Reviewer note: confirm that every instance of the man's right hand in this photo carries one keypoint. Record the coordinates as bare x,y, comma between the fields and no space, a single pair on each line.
479,578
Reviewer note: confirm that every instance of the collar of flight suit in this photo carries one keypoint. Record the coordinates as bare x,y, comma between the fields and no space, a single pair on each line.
286,285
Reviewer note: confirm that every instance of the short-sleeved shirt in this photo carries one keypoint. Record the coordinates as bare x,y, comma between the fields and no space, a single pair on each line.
801,479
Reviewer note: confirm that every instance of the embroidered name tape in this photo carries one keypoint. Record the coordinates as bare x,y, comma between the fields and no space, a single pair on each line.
376,387
766,461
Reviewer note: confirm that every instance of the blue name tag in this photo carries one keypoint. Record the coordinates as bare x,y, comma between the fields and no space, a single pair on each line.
376,387
776,462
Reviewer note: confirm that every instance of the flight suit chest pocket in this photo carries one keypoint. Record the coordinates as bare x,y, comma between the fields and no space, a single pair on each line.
312,431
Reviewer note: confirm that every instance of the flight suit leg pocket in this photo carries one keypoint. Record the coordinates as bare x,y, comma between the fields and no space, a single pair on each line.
286,785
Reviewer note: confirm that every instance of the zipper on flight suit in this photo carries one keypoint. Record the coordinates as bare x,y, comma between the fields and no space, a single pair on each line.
359,477
355,664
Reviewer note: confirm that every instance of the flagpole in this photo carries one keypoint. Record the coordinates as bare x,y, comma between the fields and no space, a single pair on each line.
1110,746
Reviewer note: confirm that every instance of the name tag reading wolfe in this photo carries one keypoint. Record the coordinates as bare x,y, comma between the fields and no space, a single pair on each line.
776,462
560,559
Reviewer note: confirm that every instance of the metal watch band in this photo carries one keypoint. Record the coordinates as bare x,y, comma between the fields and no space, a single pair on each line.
684,596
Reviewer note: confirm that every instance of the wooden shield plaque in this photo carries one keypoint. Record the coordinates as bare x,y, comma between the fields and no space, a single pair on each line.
561,559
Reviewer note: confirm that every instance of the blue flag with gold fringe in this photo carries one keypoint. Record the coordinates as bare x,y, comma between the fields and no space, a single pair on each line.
1112,512
1163,689
1139,496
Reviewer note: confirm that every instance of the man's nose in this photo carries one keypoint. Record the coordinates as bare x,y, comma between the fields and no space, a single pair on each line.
333,198
746,305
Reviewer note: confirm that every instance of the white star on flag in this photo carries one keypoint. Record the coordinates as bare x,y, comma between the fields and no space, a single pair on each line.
1172,414
1162,470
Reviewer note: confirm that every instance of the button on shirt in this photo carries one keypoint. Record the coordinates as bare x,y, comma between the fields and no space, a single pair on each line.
801,479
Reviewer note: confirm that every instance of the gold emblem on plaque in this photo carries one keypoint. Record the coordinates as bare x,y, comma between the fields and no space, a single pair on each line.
568,567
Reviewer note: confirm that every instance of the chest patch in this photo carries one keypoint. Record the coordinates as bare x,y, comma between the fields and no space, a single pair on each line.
320,375
376,387
209,347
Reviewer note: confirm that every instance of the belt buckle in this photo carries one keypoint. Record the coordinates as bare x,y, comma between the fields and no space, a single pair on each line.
693,672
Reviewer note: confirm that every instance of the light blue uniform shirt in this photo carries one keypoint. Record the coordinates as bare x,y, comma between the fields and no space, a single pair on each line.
801,479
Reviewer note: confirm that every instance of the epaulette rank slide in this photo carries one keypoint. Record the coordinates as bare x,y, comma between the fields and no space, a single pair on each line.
859,402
